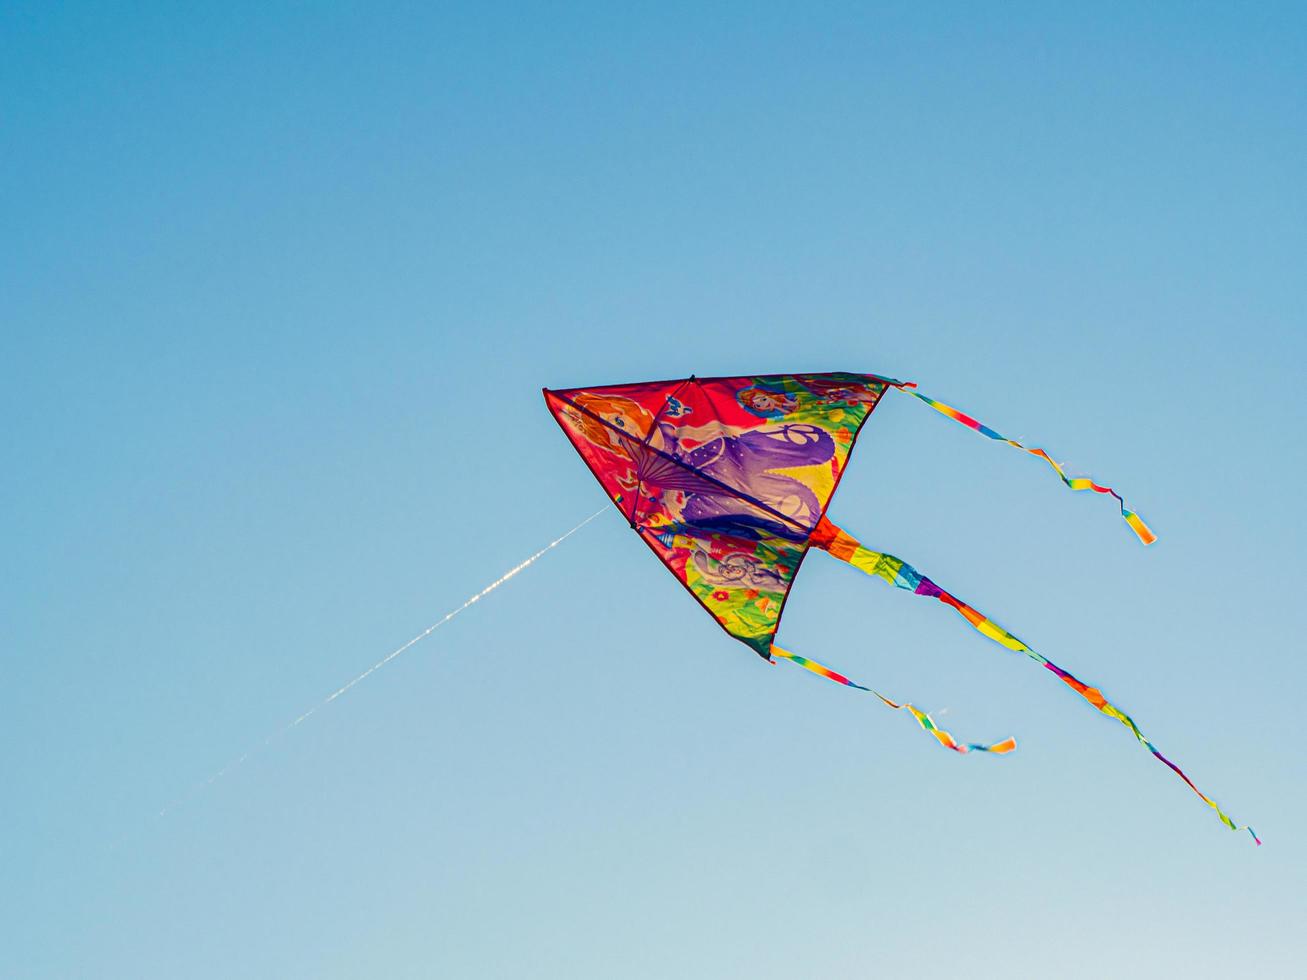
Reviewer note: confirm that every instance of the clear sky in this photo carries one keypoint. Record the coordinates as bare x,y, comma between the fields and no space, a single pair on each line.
279,287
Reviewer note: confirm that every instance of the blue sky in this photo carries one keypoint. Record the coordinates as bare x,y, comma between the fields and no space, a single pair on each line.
279,286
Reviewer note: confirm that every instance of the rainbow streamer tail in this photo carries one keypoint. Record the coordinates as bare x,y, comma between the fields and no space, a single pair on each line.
900,574
923,719
1142,530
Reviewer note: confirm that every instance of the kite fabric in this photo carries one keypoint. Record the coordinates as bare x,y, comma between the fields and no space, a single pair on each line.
727,481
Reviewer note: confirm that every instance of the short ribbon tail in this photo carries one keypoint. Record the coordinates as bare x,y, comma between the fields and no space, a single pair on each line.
1136,522
900,574
923,719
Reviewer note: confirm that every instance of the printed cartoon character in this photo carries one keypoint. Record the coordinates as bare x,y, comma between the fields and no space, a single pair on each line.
766,402
749,459
622,413
736,570
675,408
830,390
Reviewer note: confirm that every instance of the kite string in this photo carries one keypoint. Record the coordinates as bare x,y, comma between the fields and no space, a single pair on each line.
470,601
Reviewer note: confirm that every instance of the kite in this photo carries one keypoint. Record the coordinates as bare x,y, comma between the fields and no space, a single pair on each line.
727,481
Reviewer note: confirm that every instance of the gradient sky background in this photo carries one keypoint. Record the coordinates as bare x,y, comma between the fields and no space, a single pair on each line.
279,287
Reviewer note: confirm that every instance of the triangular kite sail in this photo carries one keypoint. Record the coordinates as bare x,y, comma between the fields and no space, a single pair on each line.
727,480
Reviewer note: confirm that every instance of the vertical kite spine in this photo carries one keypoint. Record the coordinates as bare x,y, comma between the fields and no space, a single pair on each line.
1142,531
900,574
923,719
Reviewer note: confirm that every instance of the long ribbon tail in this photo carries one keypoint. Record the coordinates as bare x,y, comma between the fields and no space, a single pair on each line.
900,574
923,719
1136,522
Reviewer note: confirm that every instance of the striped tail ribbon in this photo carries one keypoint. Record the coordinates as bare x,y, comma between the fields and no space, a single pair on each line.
1136,522
900,574
923,719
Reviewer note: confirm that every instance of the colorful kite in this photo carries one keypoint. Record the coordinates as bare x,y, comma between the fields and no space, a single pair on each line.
727,480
